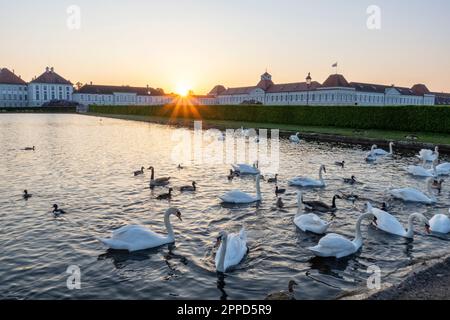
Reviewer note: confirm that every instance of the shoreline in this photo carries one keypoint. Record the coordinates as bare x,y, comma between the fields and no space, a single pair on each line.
337,135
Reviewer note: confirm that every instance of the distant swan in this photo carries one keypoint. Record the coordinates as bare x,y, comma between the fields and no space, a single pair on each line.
428,155
246,169
309,222
232,249
388,223
440,223
160,182
239,197
135,238
443,169
420,171
381,152
334,245
414,195
308,182
371,156
295,138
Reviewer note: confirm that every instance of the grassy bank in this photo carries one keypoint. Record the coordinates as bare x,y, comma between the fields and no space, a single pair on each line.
435,119
39,110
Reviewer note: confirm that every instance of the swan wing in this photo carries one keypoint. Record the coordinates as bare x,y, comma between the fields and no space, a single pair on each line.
305,182
411,195
312,223
388,222
236,250
333,245
237,196
419,171
440,223
380,152
134,238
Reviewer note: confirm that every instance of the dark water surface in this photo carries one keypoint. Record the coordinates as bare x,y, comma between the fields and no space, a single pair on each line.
85,165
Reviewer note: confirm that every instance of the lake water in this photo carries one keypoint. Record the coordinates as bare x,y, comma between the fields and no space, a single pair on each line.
85,164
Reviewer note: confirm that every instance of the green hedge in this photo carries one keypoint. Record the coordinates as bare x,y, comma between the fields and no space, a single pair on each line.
405,118
38,109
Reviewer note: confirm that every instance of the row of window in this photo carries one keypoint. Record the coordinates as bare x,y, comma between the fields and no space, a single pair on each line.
95,98
14,97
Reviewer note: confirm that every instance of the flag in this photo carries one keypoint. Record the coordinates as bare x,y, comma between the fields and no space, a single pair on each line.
334,65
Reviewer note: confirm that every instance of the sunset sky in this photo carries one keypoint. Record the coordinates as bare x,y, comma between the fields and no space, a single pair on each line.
201,43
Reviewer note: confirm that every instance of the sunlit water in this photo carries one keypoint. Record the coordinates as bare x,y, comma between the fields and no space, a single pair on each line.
85,165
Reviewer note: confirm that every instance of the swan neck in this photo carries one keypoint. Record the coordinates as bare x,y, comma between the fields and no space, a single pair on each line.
358,234
410,231
320,174
168,226
299,204
221,266
153,174
258,187
391,149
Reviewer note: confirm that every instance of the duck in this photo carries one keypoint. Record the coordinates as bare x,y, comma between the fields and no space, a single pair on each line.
414,195
382,153
33,148
280,203
437,184
239,197
26,195
308,182
340,164
338,246
309,222
321,206
351,181
180,167
295,138
189,188
283,295
440,223
139,172
273,180
165,196
349,197
420,171
135,238
231,175
246,169
429,155
160,182
388,223
279,191
232,250
56,211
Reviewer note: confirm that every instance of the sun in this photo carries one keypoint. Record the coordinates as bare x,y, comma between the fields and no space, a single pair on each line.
183,90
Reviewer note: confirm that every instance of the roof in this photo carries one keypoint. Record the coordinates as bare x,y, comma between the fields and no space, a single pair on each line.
8,77
265,84
50,76
217,90
379,88
101,89
336,81
420,89
241,90
293,87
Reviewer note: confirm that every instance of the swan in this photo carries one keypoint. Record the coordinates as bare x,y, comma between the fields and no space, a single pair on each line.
308,182
321,206
189,188
381,152
388,223
26,195
414,195
239,197
443,169
139,172
428,155
309,222
371,157
334,245
232,249
160,182
135,238
246,169
295,138
440,223
420,171
284,295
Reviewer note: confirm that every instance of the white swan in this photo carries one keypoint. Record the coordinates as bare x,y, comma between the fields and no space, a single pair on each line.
295,138
428,155
420,171
388,223
335,245
440,223
371,156
414,195
239,197
308,182
309,222
246,169
381,152
135,238
443,169
233,248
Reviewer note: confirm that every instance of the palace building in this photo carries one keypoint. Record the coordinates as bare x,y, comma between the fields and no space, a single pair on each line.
49,86
334,91
13,90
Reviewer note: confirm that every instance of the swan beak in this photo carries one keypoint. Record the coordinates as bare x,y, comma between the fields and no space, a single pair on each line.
428,229
219,239
375,221
179,216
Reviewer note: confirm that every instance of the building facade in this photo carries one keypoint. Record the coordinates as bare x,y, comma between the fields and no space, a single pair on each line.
13,90
49,86
335,91
120,95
